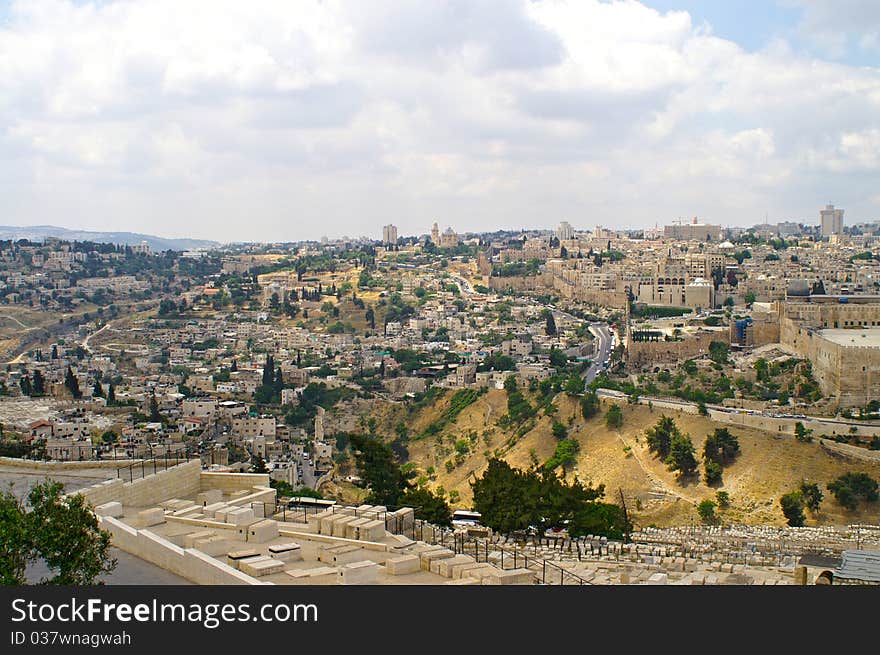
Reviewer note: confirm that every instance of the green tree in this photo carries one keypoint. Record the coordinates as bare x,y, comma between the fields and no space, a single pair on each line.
614,417
713,472
812,495
64,533
723,499
850,487
98,390
682,455
589,405
718,352
659,437
377,466
511,500
550,323
559,430
15,545
429,506
258,464
801,433
72,384
793,508
706,510
721,447
557,358
25,385
39,383
155,415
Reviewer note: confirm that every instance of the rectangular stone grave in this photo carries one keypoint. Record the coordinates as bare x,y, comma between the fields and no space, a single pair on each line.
402,565
209,497
213,546
372,531
112,509
240,516
262,531
340,524
352,528
190,539
234,557
211,510
446,566
287,552
429,556
152,516
261,566
363,572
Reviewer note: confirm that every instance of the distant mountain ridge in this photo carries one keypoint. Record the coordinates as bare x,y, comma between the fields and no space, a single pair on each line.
157,244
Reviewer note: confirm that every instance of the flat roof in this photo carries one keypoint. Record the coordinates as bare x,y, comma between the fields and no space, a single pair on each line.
856,337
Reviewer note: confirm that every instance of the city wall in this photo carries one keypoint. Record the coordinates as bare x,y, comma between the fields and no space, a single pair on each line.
649,353
849,373
66,466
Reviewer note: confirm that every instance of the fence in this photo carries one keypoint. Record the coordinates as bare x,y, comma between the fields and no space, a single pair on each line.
149,466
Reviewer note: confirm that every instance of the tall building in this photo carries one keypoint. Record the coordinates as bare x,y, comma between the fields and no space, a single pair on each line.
693,231
565,232
435,235
831,221
389,234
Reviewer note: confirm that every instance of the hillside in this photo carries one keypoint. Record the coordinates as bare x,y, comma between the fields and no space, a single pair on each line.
769,464
157,244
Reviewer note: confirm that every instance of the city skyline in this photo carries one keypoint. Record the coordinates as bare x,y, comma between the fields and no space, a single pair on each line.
273,123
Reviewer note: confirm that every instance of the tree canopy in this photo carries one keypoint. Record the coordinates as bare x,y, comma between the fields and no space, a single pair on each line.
512,500
61,531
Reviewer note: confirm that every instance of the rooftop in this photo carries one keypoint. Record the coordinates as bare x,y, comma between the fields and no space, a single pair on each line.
863,338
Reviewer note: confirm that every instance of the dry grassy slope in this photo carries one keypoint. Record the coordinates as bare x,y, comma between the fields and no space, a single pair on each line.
769,465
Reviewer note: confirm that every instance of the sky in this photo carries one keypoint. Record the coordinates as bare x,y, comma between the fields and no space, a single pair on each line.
281,120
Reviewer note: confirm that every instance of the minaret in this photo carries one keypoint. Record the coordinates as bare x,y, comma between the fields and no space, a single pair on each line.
435,235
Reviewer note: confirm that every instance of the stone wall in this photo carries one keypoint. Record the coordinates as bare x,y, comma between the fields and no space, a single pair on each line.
181,481
188,563
66,466
521,283
851,374
650,353
231,482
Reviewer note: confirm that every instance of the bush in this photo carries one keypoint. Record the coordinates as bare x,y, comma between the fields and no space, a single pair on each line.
850,487
559,430
614,417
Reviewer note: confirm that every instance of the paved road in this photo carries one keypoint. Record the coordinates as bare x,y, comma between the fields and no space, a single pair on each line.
817,424
604,346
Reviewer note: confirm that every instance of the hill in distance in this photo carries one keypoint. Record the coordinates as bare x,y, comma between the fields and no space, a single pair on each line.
157,244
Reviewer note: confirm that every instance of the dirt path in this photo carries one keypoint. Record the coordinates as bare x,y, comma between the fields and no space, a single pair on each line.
656,481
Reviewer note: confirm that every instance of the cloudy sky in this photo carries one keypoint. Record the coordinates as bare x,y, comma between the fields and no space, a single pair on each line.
293,119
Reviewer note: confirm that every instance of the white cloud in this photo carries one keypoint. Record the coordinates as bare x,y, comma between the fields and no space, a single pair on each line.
283,120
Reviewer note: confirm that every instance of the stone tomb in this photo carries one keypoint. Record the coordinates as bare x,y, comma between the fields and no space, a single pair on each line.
150,517
364,572
289,551
402,565
259,566
113,509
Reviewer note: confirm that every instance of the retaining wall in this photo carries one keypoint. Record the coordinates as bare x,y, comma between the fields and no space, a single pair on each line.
188,563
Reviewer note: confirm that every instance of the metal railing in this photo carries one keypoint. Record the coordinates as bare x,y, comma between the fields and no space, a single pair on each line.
545,571
149,466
